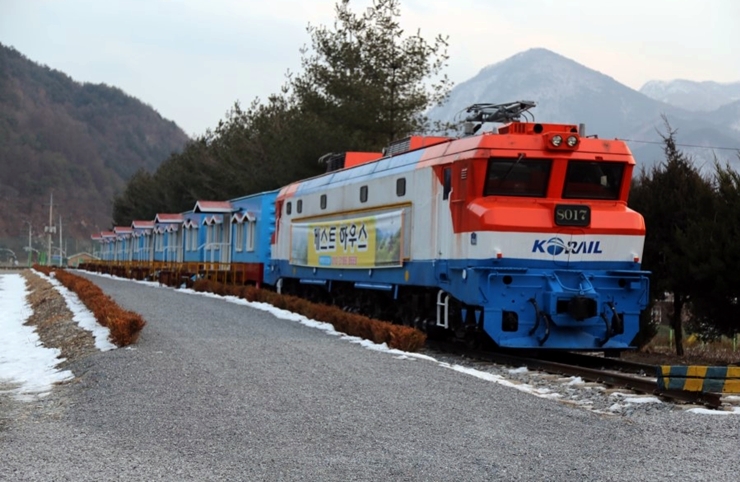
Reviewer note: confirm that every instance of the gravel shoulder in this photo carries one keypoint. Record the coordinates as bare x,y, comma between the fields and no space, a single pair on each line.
218,391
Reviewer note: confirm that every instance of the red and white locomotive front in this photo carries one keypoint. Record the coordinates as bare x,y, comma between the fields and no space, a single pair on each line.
523,233
545,251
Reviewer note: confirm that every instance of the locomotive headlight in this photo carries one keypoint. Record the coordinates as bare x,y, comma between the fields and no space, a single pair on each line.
571,141
556,140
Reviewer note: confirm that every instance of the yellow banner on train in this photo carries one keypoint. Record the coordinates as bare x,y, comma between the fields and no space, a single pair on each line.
363,242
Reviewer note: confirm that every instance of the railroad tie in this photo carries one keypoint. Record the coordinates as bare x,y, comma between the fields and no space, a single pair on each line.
699,378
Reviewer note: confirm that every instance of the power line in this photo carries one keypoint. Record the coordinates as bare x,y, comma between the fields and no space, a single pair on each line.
684,145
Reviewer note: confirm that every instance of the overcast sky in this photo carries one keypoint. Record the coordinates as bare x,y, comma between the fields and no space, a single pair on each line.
192,59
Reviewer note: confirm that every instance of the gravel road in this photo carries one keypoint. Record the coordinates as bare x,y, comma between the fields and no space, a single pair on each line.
219,391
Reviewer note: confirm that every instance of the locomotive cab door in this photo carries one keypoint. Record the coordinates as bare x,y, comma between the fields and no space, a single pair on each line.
442,225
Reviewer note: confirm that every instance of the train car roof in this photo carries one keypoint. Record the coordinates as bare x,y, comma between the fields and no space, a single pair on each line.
476,146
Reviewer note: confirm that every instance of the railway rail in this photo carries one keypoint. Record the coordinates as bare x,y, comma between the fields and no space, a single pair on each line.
609,371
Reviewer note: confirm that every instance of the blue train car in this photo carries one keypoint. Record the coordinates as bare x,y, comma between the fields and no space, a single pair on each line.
213,239
108,246
123,249
193,237
167,239
141,241
252,225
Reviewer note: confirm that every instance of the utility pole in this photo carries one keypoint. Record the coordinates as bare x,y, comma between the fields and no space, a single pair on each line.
29,248
60,240
30,253
50,229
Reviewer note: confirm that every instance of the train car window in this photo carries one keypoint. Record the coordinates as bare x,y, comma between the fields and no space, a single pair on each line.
363,194
239,236
288,207
194,240
401,187
323,201
299,206
517,177
593,180
447,174
251,228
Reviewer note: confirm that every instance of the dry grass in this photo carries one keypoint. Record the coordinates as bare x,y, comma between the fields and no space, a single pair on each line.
125,326
661,350
395,336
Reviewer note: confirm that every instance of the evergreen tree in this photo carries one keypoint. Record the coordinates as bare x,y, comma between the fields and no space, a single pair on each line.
366,80
676,202
267,146
716,308
139,200
187,177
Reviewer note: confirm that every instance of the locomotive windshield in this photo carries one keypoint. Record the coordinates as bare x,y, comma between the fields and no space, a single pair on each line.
517,177
593,180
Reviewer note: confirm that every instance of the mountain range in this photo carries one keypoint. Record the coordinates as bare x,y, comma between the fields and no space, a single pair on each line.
694,96
80,142
705,114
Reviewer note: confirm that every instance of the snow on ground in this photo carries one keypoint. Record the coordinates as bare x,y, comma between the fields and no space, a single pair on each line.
27,368
82,316
25,364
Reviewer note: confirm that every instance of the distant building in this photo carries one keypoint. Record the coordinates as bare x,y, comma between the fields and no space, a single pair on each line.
75,260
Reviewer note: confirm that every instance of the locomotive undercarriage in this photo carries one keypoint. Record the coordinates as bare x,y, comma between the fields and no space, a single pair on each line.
433,311
537,310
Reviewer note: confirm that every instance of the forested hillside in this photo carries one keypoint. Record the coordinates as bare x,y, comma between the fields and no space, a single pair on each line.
80,141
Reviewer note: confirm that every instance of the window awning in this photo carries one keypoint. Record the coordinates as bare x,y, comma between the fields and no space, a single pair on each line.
214,219
242,216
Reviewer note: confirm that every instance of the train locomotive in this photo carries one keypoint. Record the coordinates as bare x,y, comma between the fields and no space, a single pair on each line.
520,234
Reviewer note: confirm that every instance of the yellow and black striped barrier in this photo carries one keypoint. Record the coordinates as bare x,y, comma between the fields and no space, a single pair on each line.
699,379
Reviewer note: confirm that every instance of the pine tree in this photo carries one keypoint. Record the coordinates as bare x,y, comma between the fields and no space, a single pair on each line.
716,306
138,200
675,201
367,80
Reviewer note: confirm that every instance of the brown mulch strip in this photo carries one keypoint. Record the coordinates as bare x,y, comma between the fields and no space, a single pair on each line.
54,323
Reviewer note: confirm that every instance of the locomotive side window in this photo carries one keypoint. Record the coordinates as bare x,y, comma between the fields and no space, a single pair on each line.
323,201
288,208
593,180
299,206
517,177
447,174
363,194
401,187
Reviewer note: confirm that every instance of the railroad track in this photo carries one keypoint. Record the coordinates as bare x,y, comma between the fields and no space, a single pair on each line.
609,371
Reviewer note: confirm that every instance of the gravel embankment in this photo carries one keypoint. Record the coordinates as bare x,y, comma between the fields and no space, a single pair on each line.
218,391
